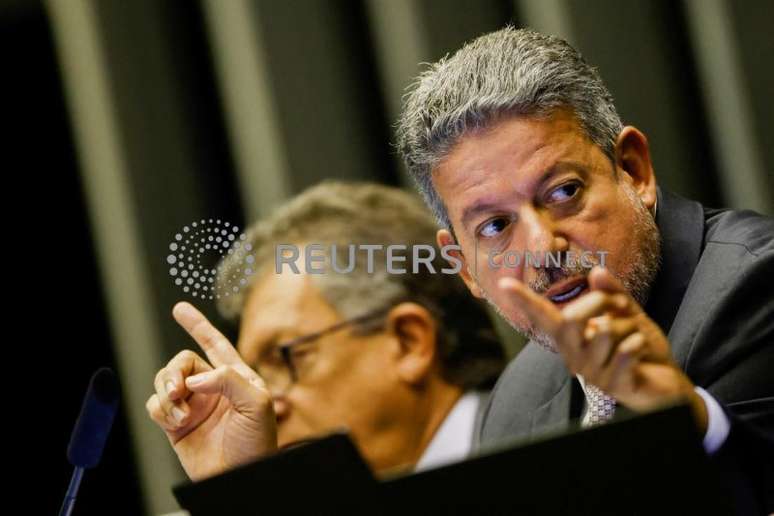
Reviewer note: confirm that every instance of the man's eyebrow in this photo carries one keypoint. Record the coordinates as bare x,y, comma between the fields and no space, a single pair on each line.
560,166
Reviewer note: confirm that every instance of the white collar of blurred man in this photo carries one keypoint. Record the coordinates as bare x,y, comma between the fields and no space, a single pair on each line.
378,376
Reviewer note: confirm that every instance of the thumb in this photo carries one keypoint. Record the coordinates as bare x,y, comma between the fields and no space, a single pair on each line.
249,398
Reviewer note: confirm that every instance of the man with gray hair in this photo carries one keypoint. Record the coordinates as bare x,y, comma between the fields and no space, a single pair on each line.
401,359
516,145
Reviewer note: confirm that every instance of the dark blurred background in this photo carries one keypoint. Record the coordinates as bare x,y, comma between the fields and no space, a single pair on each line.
129,120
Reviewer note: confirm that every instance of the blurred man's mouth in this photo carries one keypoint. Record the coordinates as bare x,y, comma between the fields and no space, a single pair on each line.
567,290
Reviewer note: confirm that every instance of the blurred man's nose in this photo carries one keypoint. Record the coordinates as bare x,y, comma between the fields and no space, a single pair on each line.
539,231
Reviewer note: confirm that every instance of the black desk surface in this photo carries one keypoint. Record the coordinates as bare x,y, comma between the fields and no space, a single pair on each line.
610,469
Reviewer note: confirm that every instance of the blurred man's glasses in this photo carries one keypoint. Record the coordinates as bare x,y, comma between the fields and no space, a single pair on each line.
280,365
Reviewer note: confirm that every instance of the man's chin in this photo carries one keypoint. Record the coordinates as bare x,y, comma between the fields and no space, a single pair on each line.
541,339
544,341
537,337
527,331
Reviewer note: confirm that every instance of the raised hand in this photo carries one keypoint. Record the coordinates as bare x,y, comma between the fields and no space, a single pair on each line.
606,337
217,414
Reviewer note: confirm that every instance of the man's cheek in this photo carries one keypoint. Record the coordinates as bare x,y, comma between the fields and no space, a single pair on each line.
300,422
508,306
284,435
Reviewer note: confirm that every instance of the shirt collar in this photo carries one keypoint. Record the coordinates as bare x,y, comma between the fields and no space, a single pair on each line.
453,440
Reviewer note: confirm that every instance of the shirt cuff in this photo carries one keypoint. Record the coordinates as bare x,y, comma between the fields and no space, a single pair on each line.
718,424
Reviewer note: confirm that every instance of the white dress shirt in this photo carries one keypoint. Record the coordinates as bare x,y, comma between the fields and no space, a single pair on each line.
453,440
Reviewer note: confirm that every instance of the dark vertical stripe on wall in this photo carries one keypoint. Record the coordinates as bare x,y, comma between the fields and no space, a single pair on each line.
752,24
201,101
451,23
641,51
323,82
54,301
201,105
703,157
355,22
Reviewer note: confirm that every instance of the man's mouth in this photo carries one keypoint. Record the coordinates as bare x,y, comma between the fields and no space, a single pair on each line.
567,290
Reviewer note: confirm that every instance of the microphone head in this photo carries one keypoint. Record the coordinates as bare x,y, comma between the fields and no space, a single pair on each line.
95,420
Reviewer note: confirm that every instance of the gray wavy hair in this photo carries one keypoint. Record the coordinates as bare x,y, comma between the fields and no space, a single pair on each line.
503,73
337,213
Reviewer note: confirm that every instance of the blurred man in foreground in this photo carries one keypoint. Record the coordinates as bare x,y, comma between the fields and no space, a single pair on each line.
516,145
398,359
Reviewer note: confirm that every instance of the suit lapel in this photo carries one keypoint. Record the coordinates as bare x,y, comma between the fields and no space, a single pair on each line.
681,224
553,414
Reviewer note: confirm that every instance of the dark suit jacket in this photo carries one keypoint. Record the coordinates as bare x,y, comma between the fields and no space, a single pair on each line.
714,298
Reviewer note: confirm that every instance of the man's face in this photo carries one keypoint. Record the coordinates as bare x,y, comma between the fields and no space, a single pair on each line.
539,185
338,384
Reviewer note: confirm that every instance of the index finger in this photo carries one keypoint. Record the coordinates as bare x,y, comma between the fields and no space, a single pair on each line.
538,309
214,344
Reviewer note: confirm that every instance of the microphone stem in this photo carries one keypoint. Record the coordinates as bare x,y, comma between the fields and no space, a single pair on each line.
72,492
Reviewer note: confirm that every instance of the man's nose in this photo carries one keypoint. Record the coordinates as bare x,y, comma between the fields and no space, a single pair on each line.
540,232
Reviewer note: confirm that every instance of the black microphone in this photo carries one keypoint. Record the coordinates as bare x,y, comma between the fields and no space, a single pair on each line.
91,430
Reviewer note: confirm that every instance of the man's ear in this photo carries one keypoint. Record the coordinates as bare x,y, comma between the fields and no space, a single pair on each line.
444,238
632,155
415,330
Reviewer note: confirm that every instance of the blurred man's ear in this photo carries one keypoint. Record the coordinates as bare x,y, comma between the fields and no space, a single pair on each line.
414,330
444,238
632,155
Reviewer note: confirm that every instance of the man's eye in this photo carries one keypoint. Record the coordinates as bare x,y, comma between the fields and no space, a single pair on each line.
563,193
270,358
494,227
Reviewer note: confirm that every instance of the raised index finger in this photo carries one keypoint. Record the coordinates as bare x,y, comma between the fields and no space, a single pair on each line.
214,344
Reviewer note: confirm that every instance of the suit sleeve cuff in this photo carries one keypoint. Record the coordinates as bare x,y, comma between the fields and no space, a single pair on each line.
718,424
